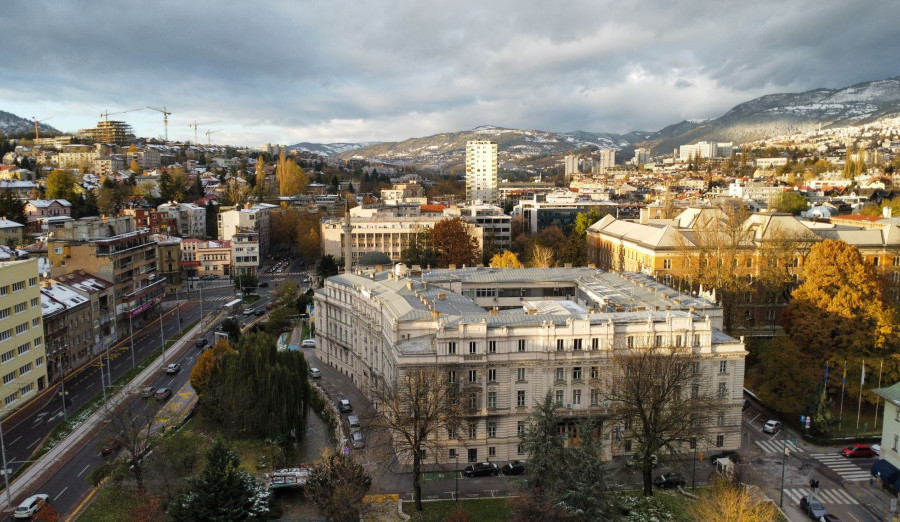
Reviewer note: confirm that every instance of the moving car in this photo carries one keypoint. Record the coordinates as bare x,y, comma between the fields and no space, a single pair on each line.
259,313
356,439
516,467
773,426
201,342
163,394
173,368
315,373
812,507
111,446
31,505
308,343
148,392
249,312
345,406
669,480
858,450
481,469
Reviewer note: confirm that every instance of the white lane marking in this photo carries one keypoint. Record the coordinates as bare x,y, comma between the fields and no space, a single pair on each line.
61,492
85,469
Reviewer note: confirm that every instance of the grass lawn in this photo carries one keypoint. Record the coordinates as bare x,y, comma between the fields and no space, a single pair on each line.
112,504
480,509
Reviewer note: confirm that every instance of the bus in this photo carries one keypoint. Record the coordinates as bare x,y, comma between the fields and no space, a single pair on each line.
233,307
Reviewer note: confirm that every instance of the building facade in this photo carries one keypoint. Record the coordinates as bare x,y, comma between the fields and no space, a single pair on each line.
245,253
247,219
481,171
507,337
23,358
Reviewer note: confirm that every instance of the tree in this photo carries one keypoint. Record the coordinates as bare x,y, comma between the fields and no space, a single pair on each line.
839,309
644,390
337,484
61,184
212,219
291,178
327,267
731,502
233,329
246,283
12,207
135,428
419,410
286,294
790,202
419,252
785,375
207,362
223,491
541,256
262,185
506,260
451,239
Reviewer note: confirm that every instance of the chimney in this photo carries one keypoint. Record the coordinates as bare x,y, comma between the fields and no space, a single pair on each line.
887,212
645,216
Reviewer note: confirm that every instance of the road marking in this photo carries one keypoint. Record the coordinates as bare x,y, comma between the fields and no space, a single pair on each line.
85,469
15,441
60,493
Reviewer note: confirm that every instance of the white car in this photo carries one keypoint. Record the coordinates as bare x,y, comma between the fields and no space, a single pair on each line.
877,449
308,343
315,373
31,505
773,426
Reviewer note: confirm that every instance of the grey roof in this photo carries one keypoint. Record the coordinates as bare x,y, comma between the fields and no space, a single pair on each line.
890,393
374,259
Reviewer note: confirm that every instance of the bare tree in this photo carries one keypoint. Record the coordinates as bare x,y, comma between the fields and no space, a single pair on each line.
133,425
419,411
658,395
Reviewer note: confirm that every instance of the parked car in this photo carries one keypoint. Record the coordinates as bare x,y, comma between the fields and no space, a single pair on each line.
31,505
173,368
858,450
812,507
315,373
208,277
353,421
201,342
345,406
630,460
356,439
308,343
773,426
481,469
264,284
163,394
110,446
830,518
148,392
733,456
877,449
249,311
669,480
260,312
516,467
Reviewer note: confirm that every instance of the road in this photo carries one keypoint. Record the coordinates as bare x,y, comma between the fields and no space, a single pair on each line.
68,486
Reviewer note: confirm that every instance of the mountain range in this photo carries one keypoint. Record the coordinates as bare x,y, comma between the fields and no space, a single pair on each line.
12,125
764,117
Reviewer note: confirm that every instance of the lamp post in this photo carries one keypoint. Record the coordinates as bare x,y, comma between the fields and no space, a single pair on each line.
5,469
694,468
130,339
62,387
162,335
456,474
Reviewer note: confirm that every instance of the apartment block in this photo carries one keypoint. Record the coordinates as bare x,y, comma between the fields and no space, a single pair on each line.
189,218
248,219
506,338
245,253
23,358
481,171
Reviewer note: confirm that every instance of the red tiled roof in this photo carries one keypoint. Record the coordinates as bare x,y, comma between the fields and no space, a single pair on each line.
433,208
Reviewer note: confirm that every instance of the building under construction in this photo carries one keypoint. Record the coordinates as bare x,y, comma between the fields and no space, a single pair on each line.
117,132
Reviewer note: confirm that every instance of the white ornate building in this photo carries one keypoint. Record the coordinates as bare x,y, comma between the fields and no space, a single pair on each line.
510,335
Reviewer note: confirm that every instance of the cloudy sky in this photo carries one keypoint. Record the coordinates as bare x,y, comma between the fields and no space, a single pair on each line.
272,71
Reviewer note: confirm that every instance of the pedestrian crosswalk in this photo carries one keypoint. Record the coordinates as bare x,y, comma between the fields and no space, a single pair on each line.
846,468
777,446
825,496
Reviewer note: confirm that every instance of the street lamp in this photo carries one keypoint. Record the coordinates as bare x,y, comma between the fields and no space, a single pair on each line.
5,469
783,455
162,335
62,383
456,474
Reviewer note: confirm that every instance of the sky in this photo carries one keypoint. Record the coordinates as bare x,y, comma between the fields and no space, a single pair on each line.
283,72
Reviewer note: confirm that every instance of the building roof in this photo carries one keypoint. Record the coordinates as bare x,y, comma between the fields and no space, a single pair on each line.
889,393
7,223
64,294
44,203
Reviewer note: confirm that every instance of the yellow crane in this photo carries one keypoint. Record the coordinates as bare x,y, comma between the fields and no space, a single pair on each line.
166,114
106,114
37,133
194,124
208,141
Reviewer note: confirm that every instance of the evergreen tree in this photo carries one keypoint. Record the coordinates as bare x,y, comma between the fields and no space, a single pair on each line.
11,207
223,491
327,267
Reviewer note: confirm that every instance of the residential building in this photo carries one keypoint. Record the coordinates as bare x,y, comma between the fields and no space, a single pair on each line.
116,132
759,191
515,191
496,225
156,221
641,156
169,255
113,249
607,159
888,467
572,167
190,219
214,259
148,159
557,209
247,219
36,209
507,337
401,193
11,233
69,328
100,294
23,358
704,149
481,171
20,188
108,165
245,253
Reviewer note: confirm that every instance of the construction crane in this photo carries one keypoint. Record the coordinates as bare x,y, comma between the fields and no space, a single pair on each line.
194,124
106,114
208,141
37,133
166,114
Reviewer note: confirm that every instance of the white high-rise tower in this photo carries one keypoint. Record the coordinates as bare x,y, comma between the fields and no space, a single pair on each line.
481,171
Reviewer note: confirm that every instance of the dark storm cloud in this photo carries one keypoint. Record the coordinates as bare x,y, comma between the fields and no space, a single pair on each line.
330,70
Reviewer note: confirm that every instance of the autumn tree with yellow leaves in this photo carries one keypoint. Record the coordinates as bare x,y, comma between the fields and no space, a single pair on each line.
291,178
506,259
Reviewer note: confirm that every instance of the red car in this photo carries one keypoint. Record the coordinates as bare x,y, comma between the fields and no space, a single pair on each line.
858,450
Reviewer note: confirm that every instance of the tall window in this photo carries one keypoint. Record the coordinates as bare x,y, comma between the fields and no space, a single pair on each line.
723,366
491,429
560,374
492,346
576,344
576,396
473,430
520,376
520,428
560,397
473,375
473,347
492,400
492,375
560,345
520,398
595,344
451,348
720,441
595,397
521,345
595,372
576,373
723,390
451,376
720,418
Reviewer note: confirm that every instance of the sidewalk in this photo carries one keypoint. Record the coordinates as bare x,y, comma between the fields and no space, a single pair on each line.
874,498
